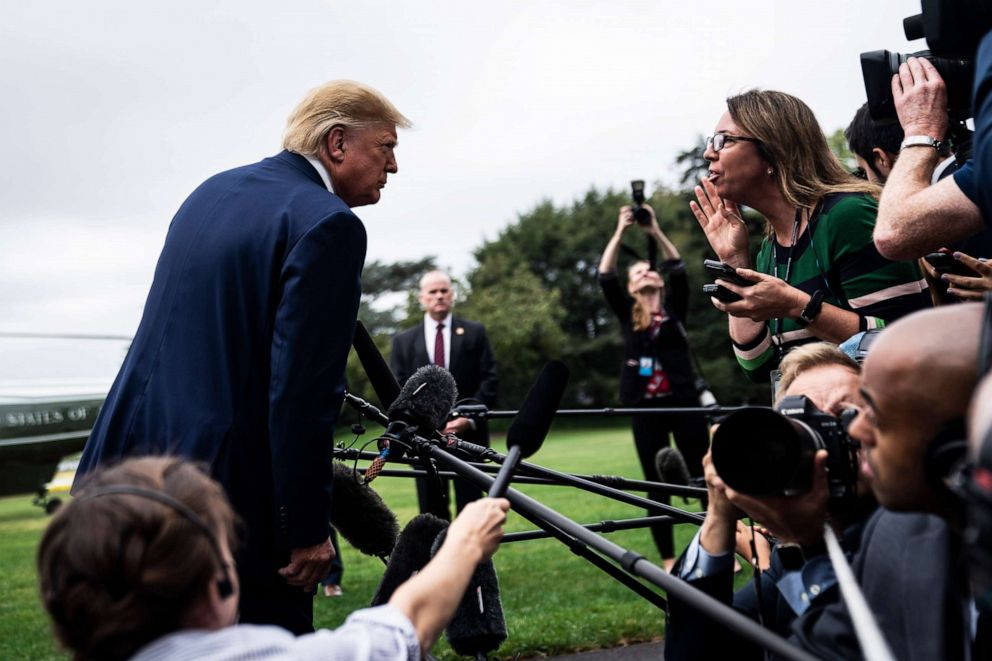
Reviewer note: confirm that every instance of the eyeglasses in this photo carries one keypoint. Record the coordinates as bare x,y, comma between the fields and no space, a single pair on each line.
718,141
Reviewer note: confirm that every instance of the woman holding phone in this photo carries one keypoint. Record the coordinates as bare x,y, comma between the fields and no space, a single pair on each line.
817,274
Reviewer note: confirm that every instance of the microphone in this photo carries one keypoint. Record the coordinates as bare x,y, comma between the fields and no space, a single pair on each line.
531,424
422,405
478,625
360,515
411,553
671,466
380,376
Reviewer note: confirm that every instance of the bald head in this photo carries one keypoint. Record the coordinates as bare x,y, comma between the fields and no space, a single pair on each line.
928,359
918,376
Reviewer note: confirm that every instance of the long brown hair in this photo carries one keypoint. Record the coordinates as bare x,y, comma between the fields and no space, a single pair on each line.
118,572
792,142
640,316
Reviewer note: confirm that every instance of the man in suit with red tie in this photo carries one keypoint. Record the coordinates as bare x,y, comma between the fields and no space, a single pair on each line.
461,347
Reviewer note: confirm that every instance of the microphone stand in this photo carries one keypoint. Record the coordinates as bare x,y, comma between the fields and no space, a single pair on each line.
602,526
614,481
578,538
564,478
479,413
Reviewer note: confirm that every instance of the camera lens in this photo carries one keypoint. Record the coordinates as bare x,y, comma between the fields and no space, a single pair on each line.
642,216
763,453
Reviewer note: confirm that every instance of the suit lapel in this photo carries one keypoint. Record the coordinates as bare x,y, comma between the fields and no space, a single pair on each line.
457,341
420,355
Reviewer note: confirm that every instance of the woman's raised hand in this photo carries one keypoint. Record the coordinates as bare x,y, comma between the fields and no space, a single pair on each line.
722,223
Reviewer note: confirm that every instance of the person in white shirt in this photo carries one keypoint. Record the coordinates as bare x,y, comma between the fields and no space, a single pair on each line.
139,566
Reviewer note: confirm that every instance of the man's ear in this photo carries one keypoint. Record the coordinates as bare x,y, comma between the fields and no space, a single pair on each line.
335,143
882,160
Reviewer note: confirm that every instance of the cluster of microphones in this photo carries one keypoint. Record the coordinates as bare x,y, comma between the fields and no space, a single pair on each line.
415,412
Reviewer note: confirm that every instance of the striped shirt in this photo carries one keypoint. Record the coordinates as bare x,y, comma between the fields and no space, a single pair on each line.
371,634
837,256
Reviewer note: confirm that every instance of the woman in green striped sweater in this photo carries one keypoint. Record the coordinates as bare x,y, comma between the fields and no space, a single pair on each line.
817,274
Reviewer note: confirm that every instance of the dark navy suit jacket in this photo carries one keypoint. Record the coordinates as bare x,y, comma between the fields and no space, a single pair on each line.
472,364
240,356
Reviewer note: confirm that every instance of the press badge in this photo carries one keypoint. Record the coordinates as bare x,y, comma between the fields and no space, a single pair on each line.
647,366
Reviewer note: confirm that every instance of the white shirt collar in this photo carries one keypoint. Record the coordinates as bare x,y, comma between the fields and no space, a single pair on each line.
322,171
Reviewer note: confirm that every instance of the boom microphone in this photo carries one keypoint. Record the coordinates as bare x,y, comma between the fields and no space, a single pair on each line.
671,466
422,406
380,376
531,424
360,515
411,553
478,625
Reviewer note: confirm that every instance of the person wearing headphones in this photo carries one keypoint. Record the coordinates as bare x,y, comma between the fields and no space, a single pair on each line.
140,566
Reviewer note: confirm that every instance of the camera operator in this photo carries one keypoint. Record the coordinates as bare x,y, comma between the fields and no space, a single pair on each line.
875,146
139,566
799,571
916,384
915,217
657,369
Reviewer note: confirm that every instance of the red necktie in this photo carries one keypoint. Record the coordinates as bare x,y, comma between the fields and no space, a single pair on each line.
439,346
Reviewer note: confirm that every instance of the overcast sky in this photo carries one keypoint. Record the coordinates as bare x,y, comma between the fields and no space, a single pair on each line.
114,111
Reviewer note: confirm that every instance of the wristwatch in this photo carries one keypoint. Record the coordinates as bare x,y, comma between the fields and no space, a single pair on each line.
808,315
942,147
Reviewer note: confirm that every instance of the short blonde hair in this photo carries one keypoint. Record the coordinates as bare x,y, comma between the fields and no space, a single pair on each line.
337,103
808,356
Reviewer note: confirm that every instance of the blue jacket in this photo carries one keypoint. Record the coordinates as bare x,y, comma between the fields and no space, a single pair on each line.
240,356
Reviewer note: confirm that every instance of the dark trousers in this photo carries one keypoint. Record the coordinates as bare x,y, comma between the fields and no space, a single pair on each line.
266,597
429,495
430,501
651,433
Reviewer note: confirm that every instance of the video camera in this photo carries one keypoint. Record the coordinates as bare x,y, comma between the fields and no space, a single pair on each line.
953,29
641,215
764,452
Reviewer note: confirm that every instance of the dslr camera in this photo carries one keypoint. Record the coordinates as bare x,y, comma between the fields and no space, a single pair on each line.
769,452
641,215
952,29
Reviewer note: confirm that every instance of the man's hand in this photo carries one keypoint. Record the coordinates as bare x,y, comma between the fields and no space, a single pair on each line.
308,566
792,519
921,98
719,528
458,426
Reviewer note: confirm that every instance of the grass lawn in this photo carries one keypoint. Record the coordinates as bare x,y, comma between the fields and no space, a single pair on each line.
553,600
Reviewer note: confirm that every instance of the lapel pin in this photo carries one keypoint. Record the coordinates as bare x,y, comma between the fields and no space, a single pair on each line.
459,331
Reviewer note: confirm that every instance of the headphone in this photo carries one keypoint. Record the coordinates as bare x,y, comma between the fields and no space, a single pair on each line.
225,588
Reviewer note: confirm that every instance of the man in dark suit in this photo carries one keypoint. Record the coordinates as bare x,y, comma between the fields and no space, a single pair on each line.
916,385
240,356
462,347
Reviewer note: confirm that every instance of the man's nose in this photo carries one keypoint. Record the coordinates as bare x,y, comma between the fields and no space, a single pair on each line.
391,165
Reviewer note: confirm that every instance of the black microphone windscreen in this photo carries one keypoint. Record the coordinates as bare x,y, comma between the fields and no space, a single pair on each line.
426,399
531,424
380,376
671,466
478,625
360,515
411,553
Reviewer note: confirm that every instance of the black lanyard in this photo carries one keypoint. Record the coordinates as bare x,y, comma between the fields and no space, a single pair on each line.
777,322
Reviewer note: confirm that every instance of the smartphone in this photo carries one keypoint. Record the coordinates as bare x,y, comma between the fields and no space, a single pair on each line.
725,272
944,263
720,293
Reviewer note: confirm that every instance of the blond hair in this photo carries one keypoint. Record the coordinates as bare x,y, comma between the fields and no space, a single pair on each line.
809,356
792,142
337,103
